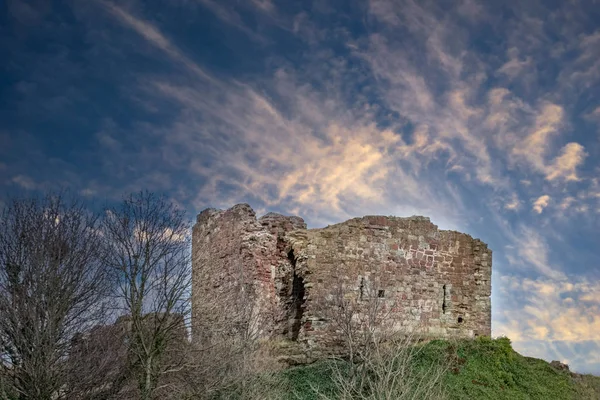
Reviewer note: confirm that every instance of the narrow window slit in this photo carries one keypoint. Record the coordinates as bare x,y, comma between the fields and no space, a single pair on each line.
444,305
361,288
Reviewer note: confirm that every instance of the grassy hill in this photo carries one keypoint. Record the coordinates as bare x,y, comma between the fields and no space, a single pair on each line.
477,369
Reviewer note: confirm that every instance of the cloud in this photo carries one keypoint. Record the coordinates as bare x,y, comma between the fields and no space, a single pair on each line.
350,164
155,37
305,150
534,147
24,182
284,142
451,118
264,13
451,127
566,203
528,248
265,5
552,319
515,66
514,203
595,114
540,203
507,125
565,165
584,72
229,15
556,307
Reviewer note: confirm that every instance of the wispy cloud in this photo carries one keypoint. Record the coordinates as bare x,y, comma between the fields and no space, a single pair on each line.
450,119
226,13
535,146
516,65
349,164
348,159
154,37
24,182
529,249
322,159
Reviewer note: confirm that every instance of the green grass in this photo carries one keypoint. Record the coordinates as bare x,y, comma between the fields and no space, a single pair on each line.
483,368
304,382
491,369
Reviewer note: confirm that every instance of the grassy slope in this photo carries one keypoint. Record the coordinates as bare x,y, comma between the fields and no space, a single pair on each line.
479,369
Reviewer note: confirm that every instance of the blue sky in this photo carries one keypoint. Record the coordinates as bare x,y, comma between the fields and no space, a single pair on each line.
484,116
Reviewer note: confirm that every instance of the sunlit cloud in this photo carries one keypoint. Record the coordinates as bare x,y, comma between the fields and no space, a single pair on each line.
532,250
535,146
556,310
514,203
565,165
553,319
540,203
350,163
566,203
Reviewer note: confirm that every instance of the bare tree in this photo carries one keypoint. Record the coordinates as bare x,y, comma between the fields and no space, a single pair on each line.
358,319
147,249
51,287
228,353
381,361
97,364
390,372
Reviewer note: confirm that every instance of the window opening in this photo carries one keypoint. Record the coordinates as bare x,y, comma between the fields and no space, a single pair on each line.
444,305
361,288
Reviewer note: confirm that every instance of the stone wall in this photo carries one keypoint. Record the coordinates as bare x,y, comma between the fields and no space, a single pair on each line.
235,258
425,280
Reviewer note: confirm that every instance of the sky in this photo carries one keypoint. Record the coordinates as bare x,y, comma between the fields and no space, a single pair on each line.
483,116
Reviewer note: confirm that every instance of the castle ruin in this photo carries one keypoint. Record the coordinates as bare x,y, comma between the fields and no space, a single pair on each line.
430,281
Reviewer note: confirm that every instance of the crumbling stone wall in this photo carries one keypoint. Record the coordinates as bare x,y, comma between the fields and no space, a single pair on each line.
430,281
237,258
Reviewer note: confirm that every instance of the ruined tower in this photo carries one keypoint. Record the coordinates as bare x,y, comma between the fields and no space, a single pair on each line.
430,281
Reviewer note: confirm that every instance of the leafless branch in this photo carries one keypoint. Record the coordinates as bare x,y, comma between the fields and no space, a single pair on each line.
147,250
379,361
52,286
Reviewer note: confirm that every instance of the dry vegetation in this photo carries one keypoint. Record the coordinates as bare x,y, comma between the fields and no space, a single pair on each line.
375,362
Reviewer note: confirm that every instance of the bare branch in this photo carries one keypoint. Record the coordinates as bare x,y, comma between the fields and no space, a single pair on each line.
147,250
52,286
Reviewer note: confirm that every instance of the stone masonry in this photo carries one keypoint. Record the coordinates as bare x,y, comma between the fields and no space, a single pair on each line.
433,282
